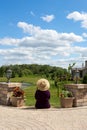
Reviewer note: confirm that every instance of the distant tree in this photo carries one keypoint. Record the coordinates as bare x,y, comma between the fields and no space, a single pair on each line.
26,72
84,79
13,74
2,70
28,69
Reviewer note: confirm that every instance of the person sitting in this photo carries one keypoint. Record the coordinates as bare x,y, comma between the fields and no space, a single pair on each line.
42,94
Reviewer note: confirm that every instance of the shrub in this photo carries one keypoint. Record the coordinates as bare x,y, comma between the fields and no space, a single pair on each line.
84,79
66,93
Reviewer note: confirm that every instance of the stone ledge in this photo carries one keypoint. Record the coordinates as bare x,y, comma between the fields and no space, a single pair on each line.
4,84
6,90
80,93
78,86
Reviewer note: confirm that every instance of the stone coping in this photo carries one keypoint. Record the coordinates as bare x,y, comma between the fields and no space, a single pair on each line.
78,86
10,84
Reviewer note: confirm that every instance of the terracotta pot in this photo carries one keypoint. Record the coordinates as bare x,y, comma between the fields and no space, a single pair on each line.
17,101
66,102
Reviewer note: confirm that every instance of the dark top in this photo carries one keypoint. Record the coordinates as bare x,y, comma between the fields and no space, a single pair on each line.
42,99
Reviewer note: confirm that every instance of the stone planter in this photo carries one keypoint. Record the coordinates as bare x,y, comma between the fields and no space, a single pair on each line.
66,102
6,90
17,101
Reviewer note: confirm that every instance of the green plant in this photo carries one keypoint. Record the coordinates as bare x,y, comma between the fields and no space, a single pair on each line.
66,93
84,79
18,92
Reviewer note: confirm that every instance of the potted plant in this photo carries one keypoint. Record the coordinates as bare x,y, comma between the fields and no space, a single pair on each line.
66,99
17,97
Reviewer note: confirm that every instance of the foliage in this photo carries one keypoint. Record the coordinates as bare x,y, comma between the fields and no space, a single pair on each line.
25,70
66,93
84,79
18,92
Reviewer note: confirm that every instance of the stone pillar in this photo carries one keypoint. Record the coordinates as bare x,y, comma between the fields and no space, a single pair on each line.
80,93
6,90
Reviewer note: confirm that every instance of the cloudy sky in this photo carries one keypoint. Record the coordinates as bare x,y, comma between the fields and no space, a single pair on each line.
52,32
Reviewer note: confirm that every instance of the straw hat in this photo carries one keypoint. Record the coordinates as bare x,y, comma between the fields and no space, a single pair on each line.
43,84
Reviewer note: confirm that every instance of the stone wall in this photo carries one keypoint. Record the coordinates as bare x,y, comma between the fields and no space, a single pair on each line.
80,93
6,91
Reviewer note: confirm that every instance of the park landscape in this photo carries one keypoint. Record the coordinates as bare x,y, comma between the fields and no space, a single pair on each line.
29,74
43,39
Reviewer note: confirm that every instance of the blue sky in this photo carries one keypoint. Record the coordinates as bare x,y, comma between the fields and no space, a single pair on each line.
52,32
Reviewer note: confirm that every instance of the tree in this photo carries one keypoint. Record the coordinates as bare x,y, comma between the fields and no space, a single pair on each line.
84,79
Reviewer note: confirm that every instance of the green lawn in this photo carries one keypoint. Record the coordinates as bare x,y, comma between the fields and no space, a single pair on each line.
30,100
30,90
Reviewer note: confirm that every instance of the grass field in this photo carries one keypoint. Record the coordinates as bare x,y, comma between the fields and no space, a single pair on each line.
30,90
30,100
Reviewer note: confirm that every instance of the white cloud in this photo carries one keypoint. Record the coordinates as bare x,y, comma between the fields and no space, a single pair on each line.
84,34
9,41
28,28
49,38
42,46
77,16
48,18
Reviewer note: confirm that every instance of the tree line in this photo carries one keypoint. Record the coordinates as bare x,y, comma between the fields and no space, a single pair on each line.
34,69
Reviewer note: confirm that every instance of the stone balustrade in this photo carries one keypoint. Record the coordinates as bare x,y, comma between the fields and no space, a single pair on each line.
6,91
80,93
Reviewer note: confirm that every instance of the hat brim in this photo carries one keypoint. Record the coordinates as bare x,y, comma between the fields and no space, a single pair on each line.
45,87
